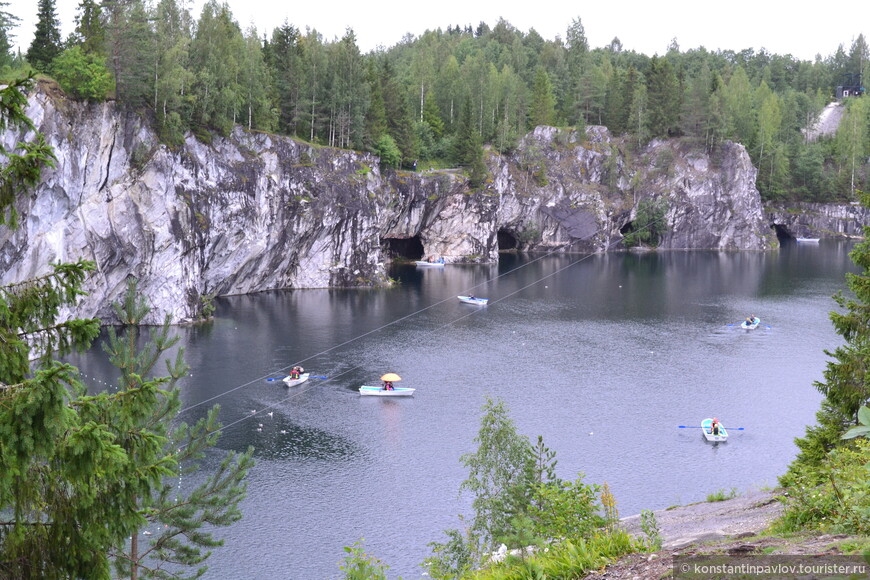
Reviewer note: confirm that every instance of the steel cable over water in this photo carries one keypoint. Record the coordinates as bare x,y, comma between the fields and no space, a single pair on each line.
302,390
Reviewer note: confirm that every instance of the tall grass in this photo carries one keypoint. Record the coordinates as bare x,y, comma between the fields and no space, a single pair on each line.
565,559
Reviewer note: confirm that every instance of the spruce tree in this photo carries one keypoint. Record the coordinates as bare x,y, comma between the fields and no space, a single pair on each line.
81,473
845,388
46,40
90,32
59,516
7,23
184,519
467,151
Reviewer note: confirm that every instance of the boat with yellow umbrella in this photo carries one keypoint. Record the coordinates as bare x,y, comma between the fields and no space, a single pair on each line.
387,389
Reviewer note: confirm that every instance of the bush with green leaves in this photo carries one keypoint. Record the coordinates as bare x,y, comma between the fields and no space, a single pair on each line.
834,497
388,151
360,566
863,427
566,509
649,225
722,495
82,74
566,559
520,502
650,527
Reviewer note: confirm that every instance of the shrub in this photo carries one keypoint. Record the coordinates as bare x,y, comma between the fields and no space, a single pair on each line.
834,497
82,75
650,528
722,495
360,566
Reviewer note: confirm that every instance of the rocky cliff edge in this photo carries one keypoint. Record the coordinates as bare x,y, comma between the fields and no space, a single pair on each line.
253,211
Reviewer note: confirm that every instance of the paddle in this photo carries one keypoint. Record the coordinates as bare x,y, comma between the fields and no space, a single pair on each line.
699,427
282,378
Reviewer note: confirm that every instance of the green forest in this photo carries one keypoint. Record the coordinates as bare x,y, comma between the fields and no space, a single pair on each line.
445,97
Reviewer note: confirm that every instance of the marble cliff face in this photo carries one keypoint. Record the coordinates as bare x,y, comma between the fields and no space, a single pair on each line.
255,212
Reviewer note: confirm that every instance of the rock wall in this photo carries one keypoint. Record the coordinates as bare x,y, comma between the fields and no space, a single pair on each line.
819,220
256,212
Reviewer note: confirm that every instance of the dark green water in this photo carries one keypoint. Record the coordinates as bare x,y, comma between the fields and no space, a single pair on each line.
604,356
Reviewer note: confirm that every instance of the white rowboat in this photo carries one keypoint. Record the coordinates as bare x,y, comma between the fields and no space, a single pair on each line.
293,382
807,240
473,300
425,264
707,429
746,325
382,392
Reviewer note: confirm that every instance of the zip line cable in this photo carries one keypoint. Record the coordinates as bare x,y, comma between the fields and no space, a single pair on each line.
297,392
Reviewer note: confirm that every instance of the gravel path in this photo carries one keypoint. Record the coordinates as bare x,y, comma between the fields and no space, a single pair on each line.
828,121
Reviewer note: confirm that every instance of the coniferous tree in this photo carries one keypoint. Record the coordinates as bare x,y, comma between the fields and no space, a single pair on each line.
663,99
400,123
81,473
376,116
173,79
131,51
845,387
256,86
576,57
90,32
52,465
468,152
7,23
284,58
25,162
185,519
46,39
543,109
216,54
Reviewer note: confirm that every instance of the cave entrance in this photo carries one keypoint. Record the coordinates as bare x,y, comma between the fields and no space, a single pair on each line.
403,248
782,233
506,240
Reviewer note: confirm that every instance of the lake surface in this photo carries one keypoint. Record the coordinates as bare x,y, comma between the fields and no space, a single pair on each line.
604,355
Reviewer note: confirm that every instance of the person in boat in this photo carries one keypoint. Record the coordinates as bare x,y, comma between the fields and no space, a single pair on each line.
714,426
750,320
294,373
388,385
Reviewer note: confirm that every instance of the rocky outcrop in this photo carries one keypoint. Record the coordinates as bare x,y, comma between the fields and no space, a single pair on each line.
255,212
819,220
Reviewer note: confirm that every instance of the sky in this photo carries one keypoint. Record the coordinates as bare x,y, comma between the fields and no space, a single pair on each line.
645,26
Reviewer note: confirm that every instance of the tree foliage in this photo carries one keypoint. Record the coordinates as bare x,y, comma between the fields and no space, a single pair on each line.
83,473
846,388
649,224
517,499
184,519
83,75
203,74
46,44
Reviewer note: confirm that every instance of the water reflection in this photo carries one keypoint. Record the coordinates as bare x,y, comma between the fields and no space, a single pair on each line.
579,348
